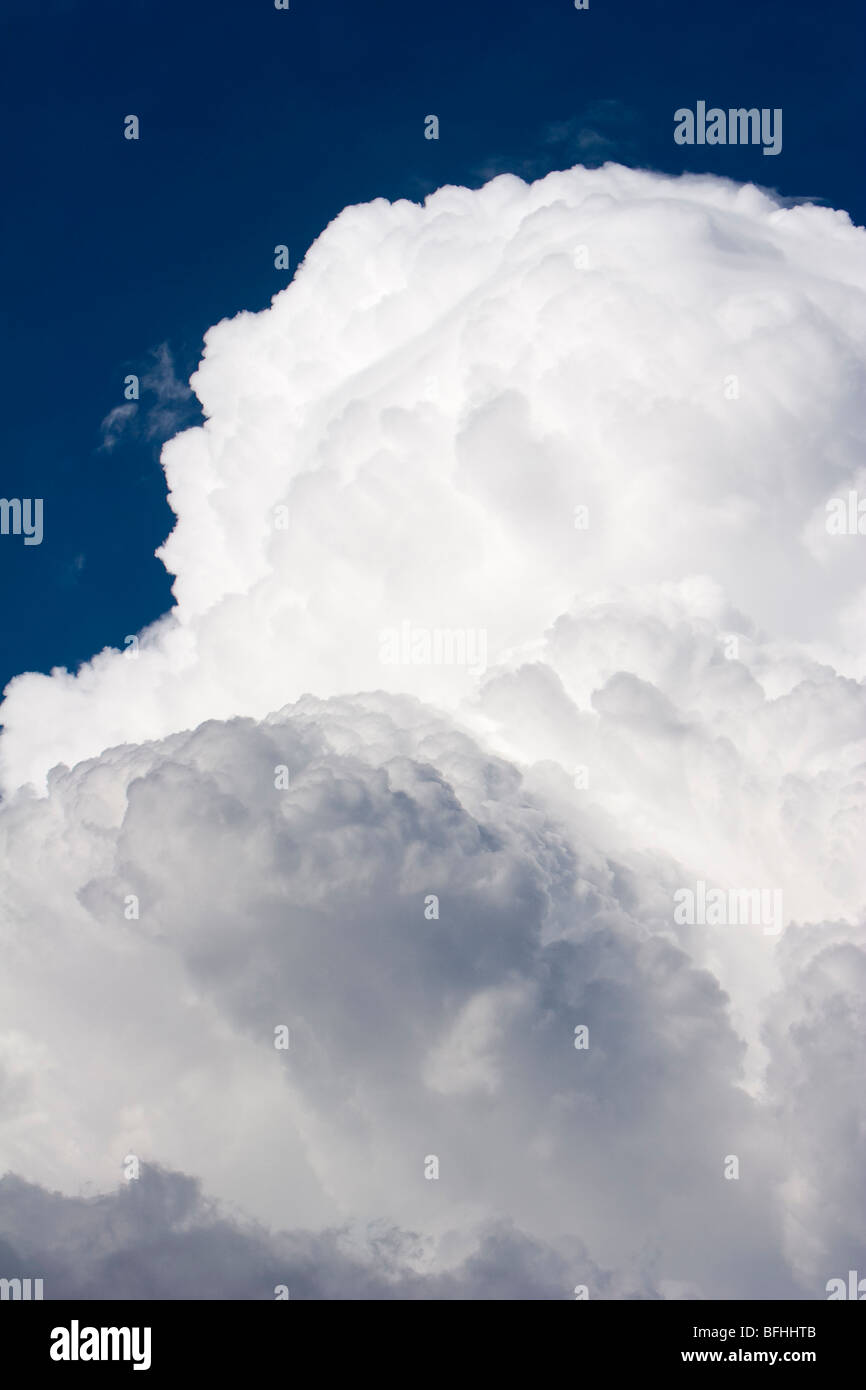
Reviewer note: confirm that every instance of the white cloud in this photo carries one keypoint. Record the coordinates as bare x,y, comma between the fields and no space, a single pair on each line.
409,1037
168,403
672,695
160,1238
433,396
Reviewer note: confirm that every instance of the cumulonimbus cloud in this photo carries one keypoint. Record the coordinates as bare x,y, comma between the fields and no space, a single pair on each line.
409,433
542,470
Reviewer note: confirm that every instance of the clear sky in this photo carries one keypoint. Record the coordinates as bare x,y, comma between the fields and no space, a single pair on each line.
257,127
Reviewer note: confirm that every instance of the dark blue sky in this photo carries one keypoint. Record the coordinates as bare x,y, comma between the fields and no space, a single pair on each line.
257,127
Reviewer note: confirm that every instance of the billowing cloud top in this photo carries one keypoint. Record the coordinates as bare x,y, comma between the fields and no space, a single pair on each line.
407,434
508,616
